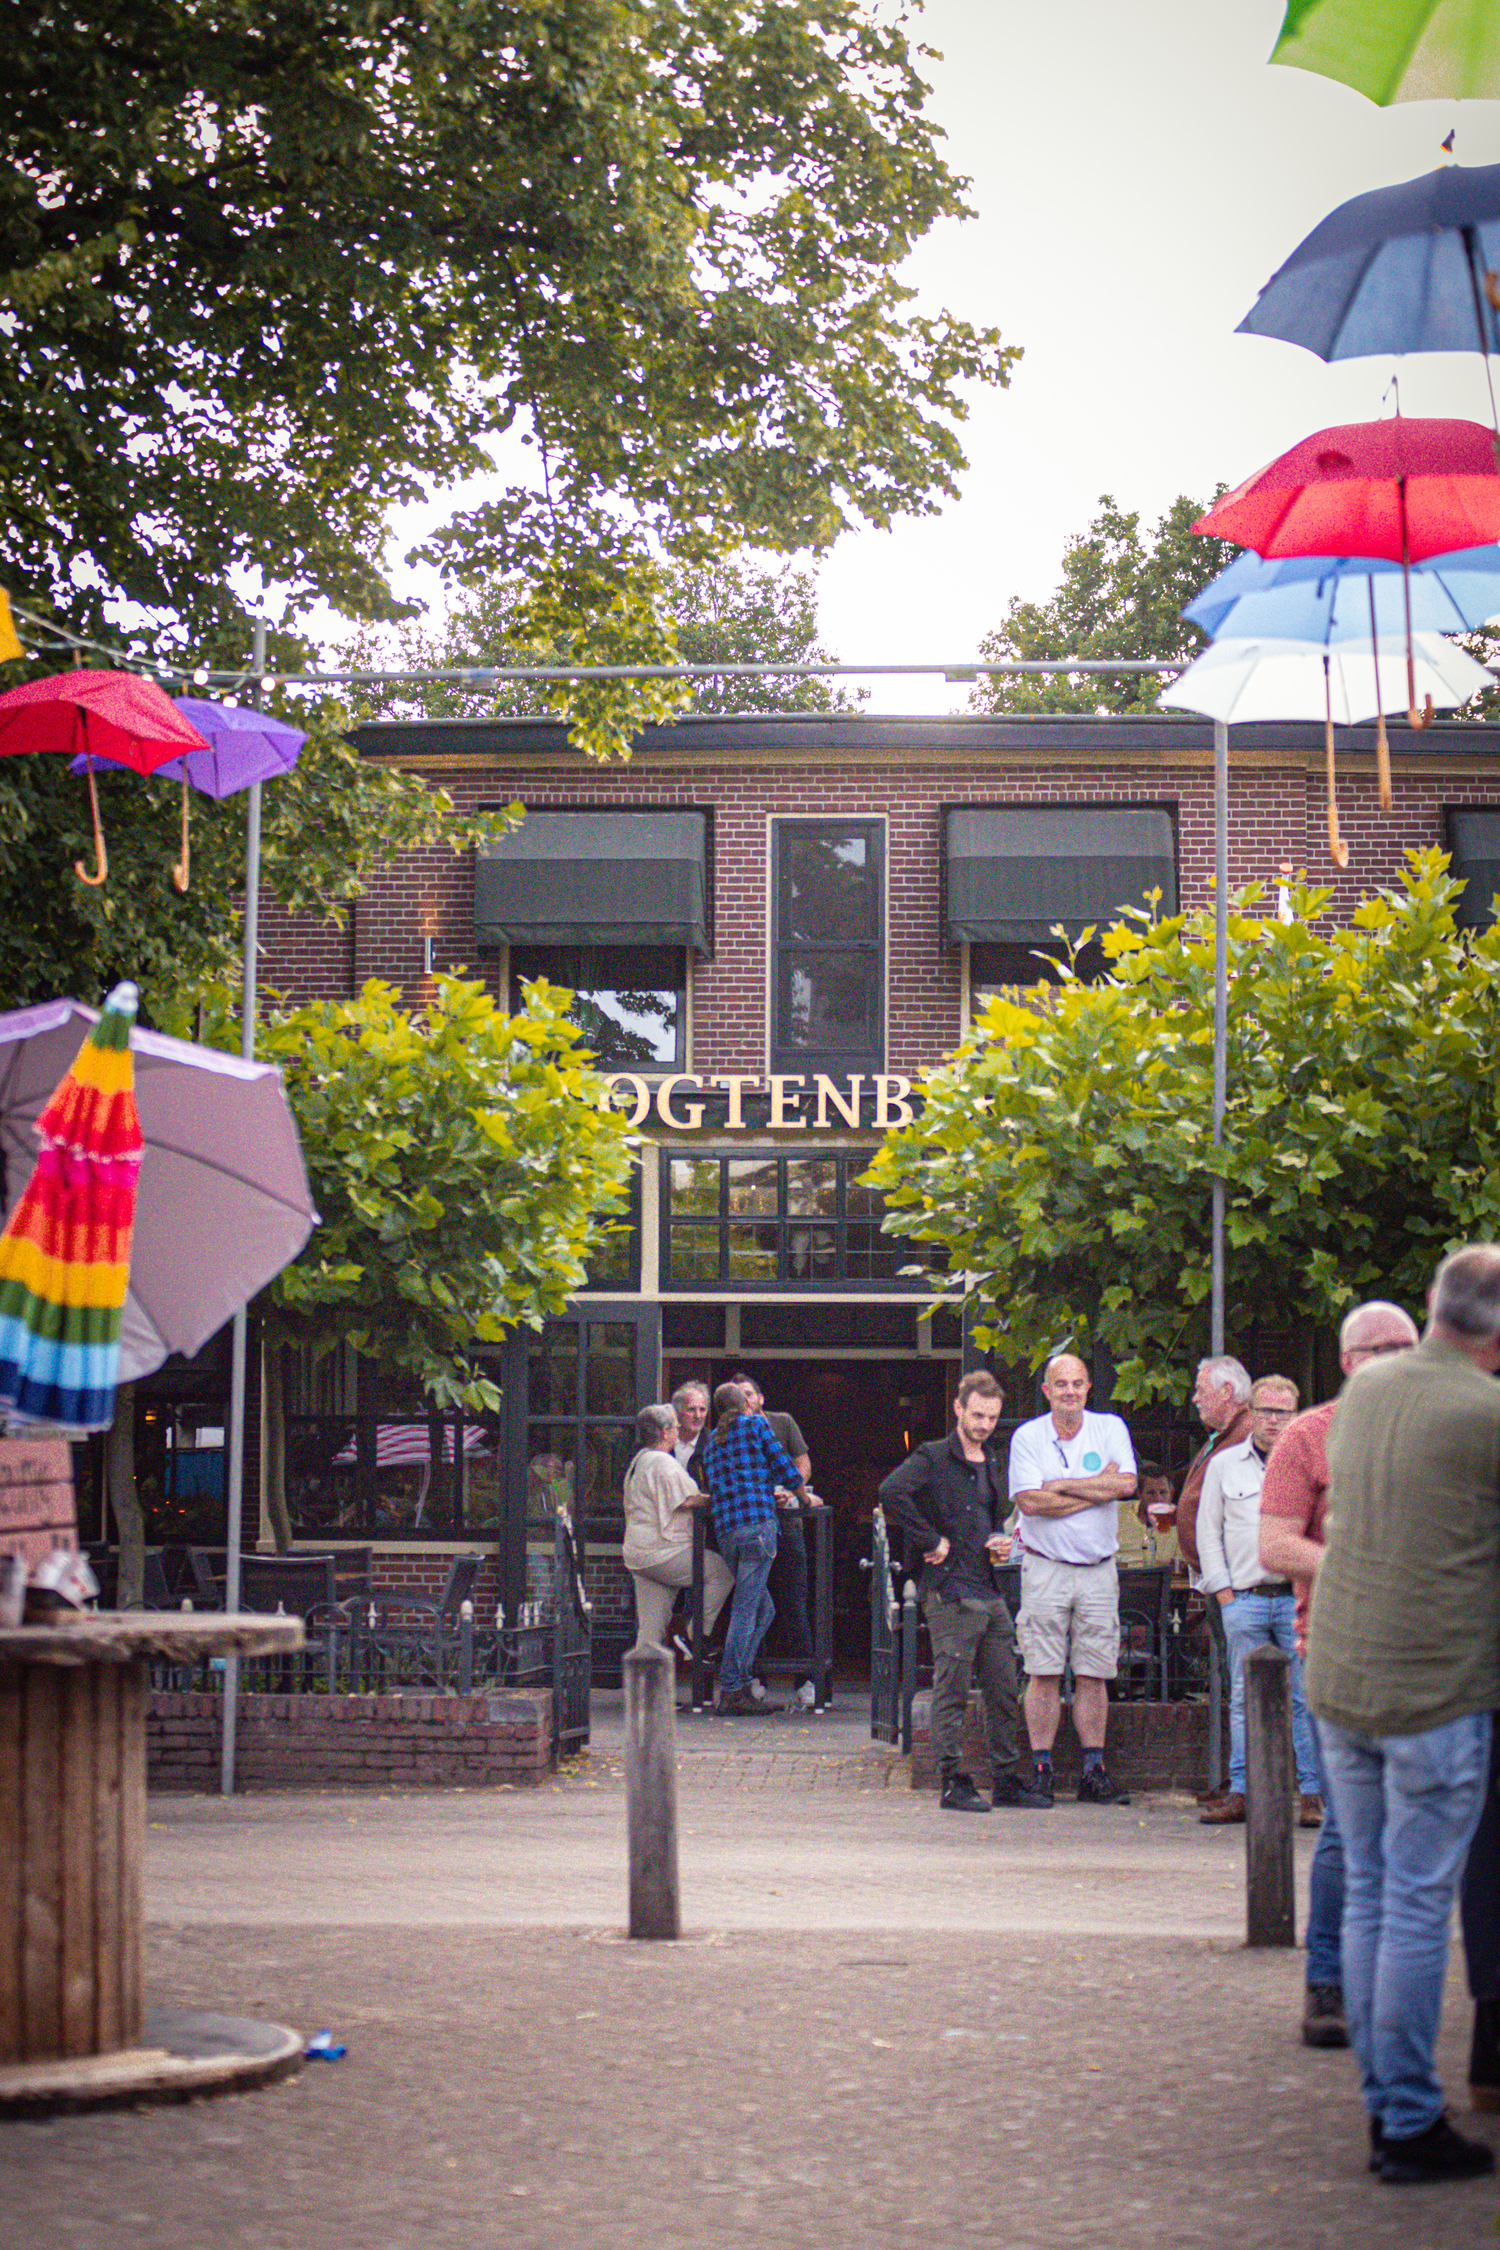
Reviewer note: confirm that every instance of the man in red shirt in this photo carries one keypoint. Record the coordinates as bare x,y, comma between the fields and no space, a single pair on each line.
1293,1501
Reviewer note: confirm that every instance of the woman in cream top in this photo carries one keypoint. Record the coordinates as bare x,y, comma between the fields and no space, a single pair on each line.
659,1500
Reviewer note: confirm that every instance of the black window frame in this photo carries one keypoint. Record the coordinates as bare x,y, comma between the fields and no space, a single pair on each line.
781,1223
786,1059
653,1069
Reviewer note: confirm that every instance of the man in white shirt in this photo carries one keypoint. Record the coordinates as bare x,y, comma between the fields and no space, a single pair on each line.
1069,1470
1255,1608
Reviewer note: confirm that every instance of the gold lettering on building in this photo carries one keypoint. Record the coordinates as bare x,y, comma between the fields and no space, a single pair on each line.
638,1087
780,1097
829,1097
664,1110
890,1096
735,1121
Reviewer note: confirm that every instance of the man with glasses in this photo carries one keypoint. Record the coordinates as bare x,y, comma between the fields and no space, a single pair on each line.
1293,1509
1255,1610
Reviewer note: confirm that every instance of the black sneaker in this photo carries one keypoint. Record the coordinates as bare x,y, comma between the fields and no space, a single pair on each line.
1042,1787
1096,1788
1013,1789
743,1705
1377,2144
1323,2022
960,1795
1438,2154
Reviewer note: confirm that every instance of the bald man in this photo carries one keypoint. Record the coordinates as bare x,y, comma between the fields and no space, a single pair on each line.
1069,1470
1293,1505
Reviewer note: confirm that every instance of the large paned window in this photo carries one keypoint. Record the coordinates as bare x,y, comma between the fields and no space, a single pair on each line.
1013,967
828,966
580,1418
746,1221
629,1001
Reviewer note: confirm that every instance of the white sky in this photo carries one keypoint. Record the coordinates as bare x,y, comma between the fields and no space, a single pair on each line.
1138,172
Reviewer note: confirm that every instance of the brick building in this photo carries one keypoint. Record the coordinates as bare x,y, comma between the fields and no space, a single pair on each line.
775,923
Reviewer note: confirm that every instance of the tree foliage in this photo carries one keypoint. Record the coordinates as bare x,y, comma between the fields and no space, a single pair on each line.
324,827
1064,1155
735,609
458,1158
268,267
1122,594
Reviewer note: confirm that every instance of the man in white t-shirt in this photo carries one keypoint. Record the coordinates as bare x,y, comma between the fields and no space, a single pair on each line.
1069,1470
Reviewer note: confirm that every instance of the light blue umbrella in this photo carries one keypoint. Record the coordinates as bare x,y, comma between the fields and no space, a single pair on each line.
1347,597
1332,598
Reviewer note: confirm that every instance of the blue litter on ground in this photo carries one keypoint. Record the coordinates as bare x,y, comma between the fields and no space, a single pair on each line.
323,2047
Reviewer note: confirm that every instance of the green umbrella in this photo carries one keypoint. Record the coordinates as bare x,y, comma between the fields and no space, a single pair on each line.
1397,50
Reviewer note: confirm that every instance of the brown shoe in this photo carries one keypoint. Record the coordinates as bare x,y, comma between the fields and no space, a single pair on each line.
1309,1812
1225,1813
1211,1796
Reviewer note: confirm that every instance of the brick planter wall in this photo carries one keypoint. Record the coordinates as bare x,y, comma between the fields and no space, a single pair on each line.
1148,1746
351,1741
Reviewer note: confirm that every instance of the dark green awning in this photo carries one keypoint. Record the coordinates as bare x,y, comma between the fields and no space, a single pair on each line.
1474,841
1014,872
596,878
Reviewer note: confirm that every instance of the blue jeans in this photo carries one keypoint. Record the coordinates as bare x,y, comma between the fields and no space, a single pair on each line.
1253,1621
1408,1805
1325,1897
749,1550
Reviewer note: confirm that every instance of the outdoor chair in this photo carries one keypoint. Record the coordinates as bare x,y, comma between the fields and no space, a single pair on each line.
296,1584
200,1583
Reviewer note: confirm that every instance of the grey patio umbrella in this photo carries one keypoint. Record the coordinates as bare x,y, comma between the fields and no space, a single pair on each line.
223,1202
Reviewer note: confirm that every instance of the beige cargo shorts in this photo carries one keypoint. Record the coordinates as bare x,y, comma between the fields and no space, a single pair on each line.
1070,1612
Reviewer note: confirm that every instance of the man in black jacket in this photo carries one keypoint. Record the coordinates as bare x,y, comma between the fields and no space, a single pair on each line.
950,1498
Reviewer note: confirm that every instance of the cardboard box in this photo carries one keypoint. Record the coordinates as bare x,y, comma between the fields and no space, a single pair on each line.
37,1513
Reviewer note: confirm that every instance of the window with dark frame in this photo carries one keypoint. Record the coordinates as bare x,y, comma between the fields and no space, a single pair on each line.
750,1220
828,946
1017,967
629,1001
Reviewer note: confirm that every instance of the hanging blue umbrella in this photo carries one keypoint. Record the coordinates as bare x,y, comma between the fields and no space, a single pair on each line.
1334,598
244,746
1347,597
1411,268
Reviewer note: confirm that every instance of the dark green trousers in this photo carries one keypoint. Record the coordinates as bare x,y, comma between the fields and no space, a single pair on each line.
969,1643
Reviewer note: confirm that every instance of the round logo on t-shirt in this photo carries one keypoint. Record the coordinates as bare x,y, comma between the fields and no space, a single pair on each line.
1091,1462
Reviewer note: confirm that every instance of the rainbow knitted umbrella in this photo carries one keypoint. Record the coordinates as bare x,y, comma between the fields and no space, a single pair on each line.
65,1252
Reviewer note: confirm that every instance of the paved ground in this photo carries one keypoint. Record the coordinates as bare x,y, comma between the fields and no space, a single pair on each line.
885,2026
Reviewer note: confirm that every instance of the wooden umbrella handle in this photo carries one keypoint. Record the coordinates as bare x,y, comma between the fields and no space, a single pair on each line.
100,854
1383,763
1338,850
181,870
1414,717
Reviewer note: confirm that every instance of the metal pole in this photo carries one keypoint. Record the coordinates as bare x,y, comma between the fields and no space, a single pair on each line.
651,1793
1221,1022
236,1462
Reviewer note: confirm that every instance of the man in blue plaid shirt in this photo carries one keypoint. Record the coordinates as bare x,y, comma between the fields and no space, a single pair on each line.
744,1465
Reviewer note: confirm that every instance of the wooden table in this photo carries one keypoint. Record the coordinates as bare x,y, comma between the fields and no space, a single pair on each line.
73,1817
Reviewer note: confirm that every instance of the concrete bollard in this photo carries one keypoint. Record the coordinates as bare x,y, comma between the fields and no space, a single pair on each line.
1270,1896
651,1792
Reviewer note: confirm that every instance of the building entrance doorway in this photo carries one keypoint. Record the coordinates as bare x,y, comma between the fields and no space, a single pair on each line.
860,1416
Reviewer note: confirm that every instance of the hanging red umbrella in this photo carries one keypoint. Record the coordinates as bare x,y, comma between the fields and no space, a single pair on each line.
113,716
1401,490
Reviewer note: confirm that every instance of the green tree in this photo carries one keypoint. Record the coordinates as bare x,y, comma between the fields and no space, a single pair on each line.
1122,594
1064,1156
325,826
735,609
269,267
458,1158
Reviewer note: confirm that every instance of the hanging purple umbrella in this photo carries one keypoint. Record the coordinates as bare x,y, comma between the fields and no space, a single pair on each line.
243,747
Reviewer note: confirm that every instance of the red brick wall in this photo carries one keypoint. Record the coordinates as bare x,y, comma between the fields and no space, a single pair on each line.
1277,812
350,1741
1149,1746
